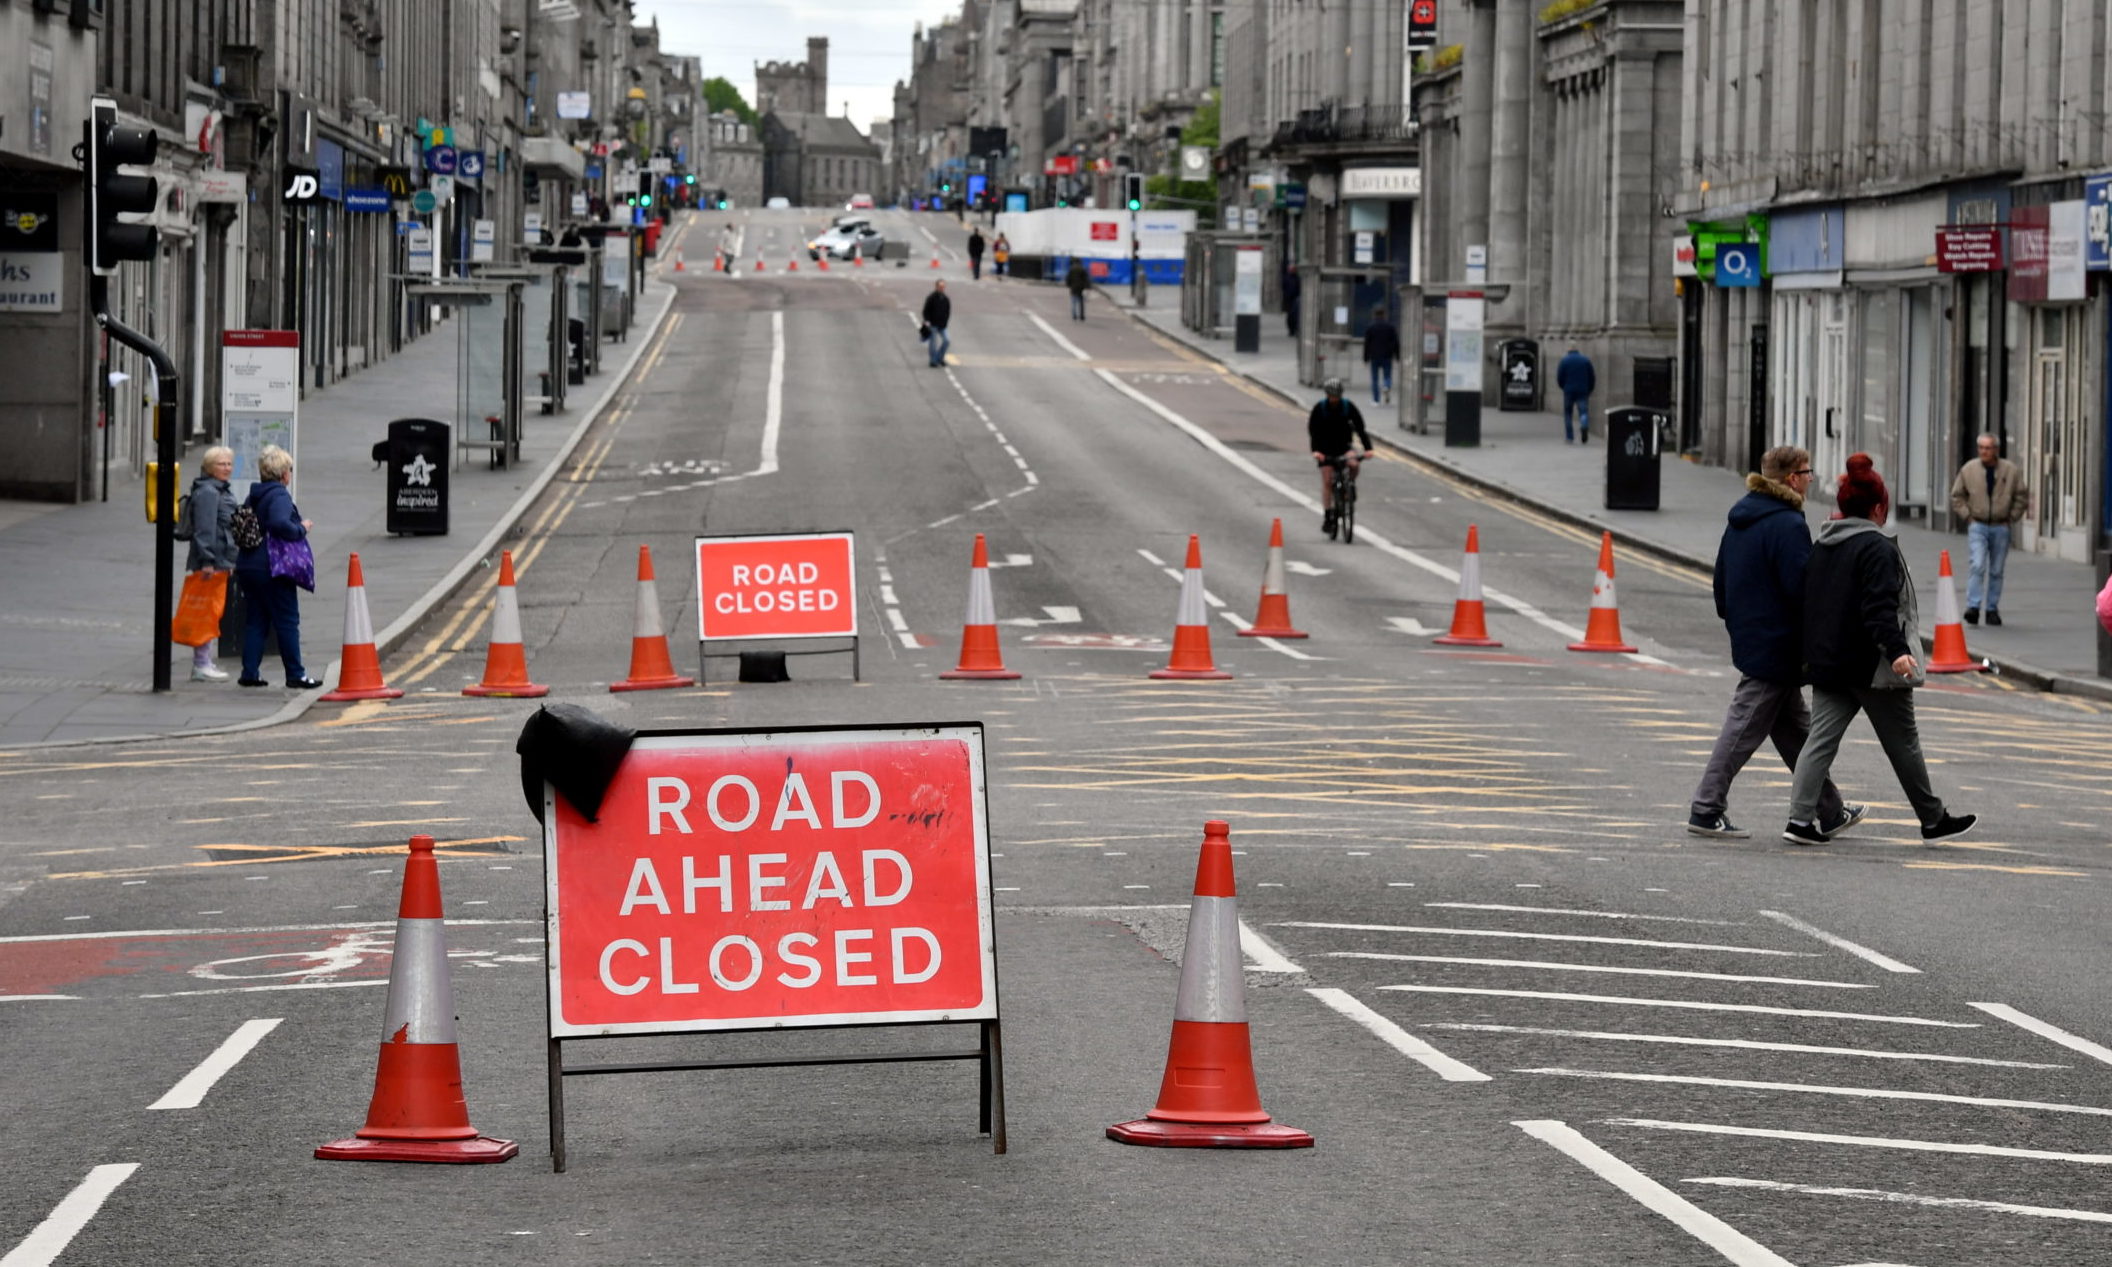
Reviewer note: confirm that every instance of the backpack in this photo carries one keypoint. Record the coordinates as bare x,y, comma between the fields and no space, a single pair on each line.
246,529
186,523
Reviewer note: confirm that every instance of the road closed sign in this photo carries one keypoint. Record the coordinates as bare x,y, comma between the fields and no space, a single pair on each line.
755,880
777,587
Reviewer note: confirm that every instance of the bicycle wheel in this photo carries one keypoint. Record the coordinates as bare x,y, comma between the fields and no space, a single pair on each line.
1346,502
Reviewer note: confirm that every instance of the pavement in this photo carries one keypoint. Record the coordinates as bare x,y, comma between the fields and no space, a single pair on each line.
76,634
1522,456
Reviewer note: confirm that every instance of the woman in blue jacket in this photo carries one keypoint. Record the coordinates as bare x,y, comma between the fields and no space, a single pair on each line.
272,600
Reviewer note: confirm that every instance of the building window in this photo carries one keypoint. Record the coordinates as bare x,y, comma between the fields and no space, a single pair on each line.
1217,50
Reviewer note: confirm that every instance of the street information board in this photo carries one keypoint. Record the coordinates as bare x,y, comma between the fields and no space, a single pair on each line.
260,398
794,586
799,878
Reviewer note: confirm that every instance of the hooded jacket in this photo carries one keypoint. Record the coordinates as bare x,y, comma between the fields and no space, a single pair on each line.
1859,608
1759,581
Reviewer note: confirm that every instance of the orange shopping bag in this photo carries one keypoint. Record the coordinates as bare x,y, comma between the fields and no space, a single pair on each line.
197,619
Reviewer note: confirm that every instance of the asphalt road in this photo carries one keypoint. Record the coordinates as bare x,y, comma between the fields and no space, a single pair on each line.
1526,1016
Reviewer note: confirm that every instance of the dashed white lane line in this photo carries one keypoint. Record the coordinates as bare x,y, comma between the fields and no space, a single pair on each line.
50,1238
1624,1000
1886,962
1742,1044
1860,1141
1397,1038
1576,937
1061,342
891,605
1552,966
1912,1198
1232,618
2053,1033
1550,910
1810,1088
1696,1222
190,1092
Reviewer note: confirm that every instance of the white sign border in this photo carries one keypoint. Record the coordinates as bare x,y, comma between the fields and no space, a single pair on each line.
696,567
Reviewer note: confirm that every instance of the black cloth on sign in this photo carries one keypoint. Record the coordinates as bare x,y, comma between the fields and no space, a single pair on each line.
574,750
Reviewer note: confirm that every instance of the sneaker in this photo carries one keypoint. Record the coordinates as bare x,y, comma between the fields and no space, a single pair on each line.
1714,825
302,684
208,673
1993,617
1972,616
1851,814
1804,834
1950,825
251,681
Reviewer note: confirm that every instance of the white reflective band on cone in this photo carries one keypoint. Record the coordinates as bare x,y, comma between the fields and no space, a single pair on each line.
647,621
359,628
421,1003
1192,612
1272,575
982,609
506,620
1470,578
1213,986
1947,601
1602,592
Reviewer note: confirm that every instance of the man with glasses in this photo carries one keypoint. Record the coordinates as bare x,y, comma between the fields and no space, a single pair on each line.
1759,588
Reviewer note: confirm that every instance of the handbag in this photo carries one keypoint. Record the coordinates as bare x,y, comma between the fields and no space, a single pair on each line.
246,529
198,611
292,561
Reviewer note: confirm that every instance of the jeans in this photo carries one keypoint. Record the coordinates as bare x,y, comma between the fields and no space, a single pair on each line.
1290,318
1379,369
270,603
1582,405
1077,305
940,343
975,268
1987,546
1759,710
1891,711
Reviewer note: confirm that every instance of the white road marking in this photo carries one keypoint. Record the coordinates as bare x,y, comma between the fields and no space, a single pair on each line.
1552,910
2054,1033
1013,560
1886,962
1263,954
288,985
894,617
1911,1198
1233,618
261,928
190,1092
50,1238
1692,1004
1399,1039
1578,937
1808,1088
1061,342
1696,1222
1594,967
1411,626
34,998
1864,1141
1302,568
1743,1044
1056,616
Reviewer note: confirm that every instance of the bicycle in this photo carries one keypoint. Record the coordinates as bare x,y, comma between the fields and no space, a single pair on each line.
1345,490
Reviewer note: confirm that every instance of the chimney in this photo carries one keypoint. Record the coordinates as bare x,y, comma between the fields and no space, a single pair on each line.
818,71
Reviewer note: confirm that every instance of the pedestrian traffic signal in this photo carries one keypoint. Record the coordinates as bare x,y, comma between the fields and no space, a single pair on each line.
112,194
689,179
1133,190
946,187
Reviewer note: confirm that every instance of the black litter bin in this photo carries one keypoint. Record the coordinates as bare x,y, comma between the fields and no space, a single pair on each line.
1653,382
419,450
1632,448
1522,386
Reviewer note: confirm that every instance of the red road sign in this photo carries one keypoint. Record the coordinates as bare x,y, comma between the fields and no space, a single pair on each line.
757,880
802,586
1106,231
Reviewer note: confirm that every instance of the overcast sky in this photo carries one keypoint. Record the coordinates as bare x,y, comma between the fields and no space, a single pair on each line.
868,41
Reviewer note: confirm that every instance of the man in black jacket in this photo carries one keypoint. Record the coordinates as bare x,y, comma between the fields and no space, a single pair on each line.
975,255
1382,347
1760,598
1329,429
938,310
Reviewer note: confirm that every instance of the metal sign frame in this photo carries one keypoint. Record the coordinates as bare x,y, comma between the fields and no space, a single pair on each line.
989,1051
704,652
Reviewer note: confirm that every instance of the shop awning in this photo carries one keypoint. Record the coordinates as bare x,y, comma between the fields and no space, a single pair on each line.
550,154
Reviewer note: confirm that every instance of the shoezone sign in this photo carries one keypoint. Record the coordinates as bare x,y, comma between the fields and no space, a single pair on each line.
776,587
789,879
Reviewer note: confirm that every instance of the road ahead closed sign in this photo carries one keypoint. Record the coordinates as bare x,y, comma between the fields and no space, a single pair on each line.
777,587
758,880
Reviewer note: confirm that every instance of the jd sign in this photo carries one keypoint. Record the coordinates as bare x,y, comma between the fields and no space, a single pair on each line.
301,186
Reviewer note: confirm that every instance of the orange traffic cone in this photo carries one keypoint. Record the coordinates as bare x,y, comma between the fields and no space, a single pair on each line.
1602,632
1949,655
857,257
822,263
718,261
981,657
1272,619
1470,622
792,265
506,663
1208,1098
678,262
758,264
359,672
651,667
1191,628
934,259
418,1113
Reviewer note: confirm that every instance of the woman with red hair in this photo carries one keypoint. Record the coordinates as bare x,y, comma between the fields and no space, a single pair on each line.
1861,632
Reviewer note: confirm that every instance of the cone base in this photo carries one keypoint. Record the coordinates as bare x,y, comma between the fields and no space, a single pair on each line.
1191,675
1153,1134
991,675
652,683
523,690
371,692
1618,648
1256,631
454,1151
1461,640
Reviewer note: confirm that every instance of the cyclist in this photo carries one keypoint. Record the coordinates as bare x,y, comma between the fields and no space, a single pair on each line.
1330,428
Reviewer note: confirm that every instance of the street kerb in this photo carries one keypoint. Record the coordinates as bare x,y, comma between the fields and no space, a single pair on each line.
777,588
801,878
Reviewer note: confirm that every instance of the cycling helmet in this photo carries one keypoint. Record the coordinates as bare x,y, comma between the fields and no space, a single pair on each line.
1333,386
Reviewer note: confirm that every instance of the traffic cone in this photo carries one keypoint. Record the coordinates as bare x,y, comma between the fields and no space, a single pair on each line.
822,263
506,663
651,667
792,265
981,657
418,1113
1208,1098
359,671
857,257
758,264
1602,632
1470,623
678,262
1272,619
718,261
934,259
1191,628
1948,654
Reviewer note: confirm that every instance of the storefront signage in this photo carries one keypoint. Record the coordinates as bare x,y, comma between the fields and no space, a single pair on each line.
330,169
440,160
1382,182
1738,265
1968,249
1422,24
395,181
302,186
2097,223
2027,255
1061,165
32,282
469,164
2066,278
373,201
802,586
222,187
574,105
29,222
1683,255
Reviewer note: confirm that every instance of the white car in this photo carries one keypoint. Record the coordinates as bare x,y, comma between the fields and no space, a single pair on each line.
779,204
859,202
839,242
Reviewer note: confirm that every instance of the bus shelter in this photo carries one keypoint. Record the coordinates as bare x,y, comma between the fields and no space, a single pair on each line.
546,306
488,395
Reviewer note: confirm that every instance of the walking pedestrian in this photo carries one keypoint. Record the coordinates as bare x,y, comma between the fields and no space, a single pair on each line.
1001,255
1382,347
1759,588
1576,377
1076,280
1292,289
1990,496
938,310
209,512
975,254
272,601
1861,629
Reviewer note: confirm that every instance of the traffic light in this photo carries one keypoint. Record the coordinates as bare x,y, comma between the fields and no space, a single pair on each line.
1133,190
946,187
690,179
112,194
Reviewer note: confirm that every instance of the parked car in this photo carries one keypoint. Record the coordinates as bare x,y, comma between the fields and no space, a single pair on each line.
859,202
839,242
779,204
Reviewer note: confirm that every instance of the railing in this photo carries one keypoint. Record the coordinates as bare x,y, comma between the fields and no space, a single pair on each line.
1332,124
